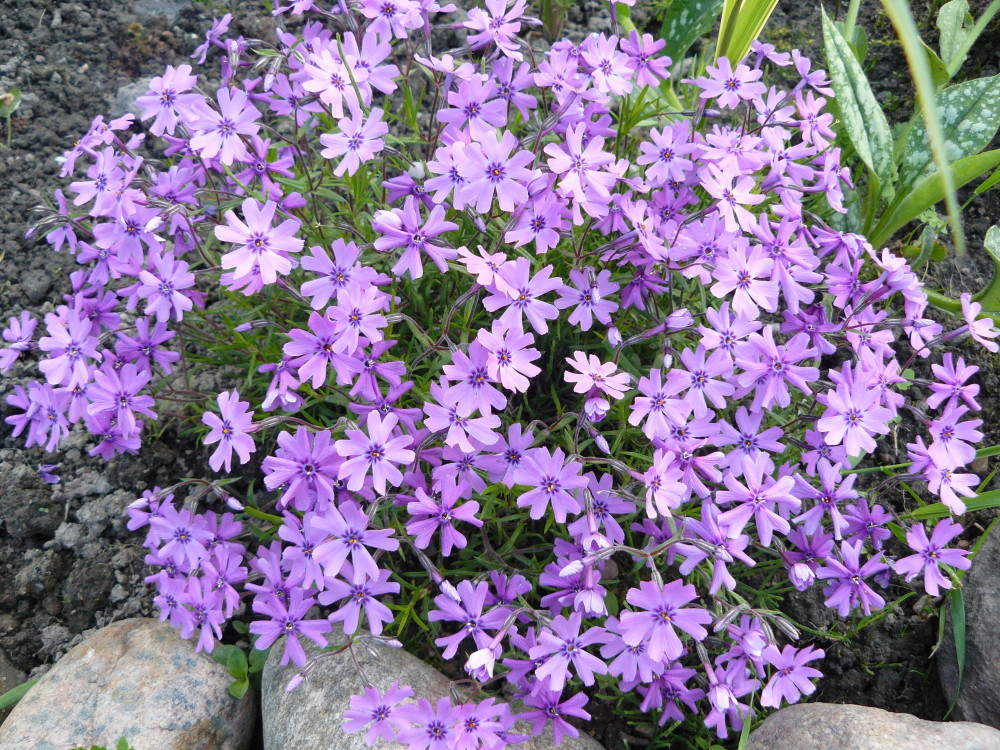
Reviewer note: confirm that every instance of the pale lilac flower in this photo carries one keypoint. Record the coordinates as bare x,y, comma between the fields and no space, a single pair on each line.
231,431
359,139
263,248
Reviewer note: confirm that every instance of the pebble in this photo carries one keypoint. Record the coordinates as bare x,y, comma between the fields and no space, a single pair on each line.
979,694
135,678
309,718
822,726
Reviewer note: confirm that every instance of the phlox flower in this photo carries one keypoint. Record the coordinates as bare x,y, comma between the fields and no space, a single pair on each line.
589,294
466,608
359,139
948,484
510,356
474,108
852,417
288,619
231,431
521,293
551,478
166,98
18,333
592,373
661,611
930,553
356,314
448,411
497,25
580,166
263,248
117,391
950,384
357,593
758,498
981,330
951,446
70,343
562,644
348,535
732,192
405,228
380,712
649,69
848,588
611,71
164,290
217,131
729,87
491,170
439,512
791,677
377,451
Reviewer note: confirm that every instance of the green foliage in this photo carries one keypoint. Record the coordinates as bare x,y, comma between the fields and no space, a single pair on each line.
684,22
122,745
12,696
243,671
9,102
742,22
864,122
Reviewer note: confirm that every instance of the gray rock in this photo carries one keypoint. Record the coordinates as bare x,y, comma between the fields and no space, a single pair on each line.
37,573
979,696
124,98
137,679
821,726
309,718
169,9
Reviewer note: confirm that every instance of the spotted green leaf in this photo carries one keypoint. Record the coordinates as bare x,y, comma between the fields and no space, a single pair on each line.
954,23
684,22
864,121
969,114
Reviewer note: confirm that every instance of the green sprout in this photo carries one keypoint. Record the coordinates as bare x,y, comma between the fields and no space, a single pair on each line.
9,103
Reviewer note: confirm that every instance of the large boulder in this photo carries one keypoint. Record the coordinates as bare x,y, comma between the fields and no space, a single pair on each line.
822,726
979,694
309,718
135,679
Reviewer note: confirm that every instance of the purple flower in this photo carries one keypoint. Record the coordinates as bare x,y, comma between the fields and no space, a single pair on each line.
951,383
430,514
433,730
379,710
562,645
491,170
218,131
981,330
790,678
70,343
377,451
852,417
849,589
548,708
510,356
580,166
551,478
348,534
731,199
18,333
729,87
358,141
166,98
467,610
662,612
931,553
117,391
758,499
289,622
404,228
264,248
589,294
359,595
231,431
950,448
521,293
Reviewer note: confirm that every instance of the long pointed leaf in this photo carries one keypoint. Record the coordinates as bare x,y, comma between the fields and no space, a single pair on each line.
931,190
864,120
902,19
742,21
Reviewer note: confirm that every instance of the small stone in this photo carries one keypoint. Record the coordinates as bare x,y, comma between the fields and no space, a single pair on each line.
821,726
37,573
309,718
979,697
135,678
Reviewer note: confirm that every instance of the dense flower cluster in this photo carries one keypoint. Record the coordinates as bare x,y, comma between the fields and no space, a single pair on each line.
721,359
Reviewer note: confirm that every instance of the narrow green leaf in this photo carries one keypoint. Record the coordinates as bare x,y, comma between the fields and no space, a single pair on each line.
684,22
969,120
985,501
928,191
986,184
12,696
958,633
954,23
742,22
939,71
864,120
909,37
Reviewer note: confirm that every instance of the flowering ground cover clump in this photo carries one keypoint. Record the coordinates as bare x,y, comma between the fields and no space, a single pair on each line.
504,318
